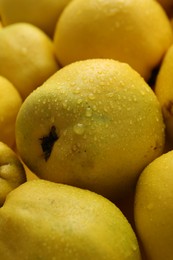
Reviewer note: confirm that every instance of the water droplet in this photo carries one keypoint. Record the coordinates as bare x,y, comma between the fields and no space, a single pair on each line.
102,83
94,108
88,112
64,104
52,120
134,247
142,93
91,96
72,83
79,101
76,90
110,94
79,129
134,99
74,148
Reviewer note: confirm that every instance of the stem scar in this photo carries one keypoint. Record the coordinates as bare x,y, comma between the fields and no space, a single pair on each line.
47,142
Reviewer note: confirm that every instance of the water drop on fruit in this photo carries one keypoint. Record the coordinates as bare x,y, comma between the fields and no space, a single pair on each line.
79,129
88,112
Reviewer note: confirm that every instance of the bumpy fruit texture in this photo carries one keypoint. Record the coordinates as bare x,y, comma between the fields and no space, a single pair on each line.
45,220
12,173
154,208
87,126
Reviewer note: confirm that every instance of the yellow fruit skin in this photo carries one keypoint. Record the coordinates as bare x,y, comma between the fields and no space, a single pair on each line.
108,123
12,173
27,56
136,32
41,13
10,102
45,220
164,92
154,208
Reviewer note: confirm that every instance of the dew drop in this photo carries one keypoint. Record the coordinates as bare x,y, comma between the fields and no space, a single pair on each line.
65,104
76,90
130,122
79,101
52,119
91,96
88,112
134,247
79,129
94,108
110,94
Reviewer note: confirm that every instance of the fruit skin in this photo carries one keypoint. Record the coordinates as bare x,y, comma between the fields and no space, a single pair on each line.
46,220
96,116
164,92
154,209
27,56
135,32
41,13
10,102
12,173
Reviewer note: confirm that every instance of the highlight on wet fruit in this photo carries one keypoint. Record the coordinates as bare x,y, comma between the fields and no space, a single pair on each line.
80,127
86,129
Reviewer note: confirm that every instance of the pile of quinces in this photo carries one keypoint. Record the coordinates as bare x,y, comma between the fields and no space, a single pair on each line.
86,129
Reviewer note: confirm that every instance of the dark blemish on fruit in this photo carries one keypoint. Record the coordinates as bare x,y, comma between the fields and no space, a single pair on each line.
47,142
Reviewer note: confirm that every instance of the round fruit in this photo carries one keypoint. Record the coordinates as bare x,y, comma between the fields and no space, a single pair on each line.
45,220
41,13
154,208
164,92
10,102
27,56
12,173
94,124
135,32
